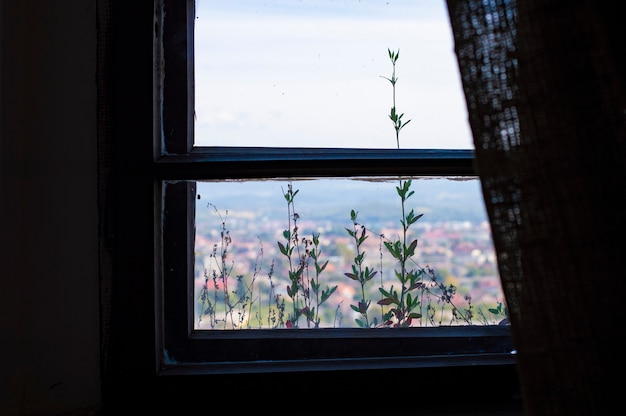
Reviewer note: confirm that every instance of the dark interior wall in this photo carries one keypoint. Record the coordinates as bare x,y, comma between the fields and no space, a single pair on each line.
49,299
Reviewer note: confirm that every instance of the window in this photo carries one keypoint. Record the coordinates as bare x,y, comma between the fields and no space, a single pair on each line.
318,69
189,168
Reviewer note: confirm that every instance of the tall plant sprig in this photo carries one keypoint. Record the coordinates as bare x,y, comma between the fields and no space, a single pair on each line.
396,118
321,293
302,286
359,273
220,274
291,250
403,305
238,301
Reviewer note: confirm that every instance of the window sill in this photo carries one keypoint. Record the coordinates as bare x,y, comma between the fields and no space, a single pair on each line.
266,351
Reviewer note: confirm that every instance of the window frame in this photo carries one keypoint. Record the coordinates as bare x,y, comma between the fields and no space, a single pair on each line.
182,350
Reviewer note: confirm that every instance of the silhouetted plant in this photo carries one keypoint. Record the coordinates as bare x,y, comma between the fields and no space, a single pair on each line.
360,273
404,303
299,252
321,293
396,118
500,312
224,305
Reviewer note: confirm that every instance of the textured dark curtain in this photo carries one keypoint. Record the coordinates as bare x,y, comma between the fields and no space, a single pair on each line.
545,90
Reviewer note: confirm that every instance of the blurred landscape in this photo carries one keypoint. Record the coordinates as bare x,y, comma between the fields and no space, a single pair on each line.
454,239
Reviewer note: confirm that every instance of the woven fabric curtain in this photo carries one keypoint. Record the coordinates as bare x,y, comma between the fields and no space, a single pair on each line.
545,90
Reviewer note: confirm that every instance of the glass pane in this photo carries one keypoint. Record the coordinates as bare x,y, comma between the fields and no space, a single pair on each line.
316,73
320,253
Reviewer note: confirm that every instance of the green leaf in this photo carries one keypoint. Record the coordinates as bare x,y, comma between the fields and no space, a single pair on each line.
384,292
352,276
386,301
418,216
359,258
369,274
282,248
410,251
319,269
326,293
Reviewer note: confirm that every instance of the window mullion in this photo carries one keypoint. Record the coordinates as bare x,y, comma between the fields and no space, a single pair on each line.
233,163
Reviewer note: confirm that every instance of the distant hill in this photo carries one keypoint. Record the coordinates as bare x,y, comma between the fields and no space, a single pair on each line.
438,199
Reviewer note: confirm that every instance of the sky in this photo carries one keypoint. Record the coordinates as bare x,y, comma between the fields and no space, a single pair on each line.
310,73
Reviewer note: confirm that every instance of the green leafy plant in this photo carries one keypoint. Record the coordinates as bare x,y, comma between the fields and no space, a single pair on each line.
321,293
396,118
416,285
403,305
305,290
230,301
226,306
360,273
501,312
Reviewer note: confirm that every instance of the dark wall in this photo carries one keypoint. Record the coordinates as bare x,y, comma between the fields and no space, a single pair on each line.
49,297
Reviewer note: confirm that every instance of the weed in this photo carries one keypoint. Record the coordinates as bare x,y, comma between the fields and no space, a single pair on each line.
304,290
